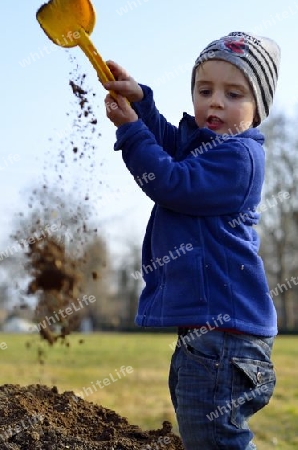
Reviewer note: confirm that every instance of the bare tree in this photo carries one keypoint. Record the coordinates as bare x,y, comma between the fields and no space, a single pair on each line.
279,222
97,282
129,280
4,295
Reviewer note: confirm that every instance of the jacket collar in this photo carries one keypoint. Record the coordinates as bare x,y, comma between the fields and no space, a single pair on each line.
190,131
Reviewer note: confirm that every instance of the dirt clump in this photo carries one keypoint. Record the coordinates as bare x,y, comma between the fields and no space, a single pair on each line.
37,417
56,276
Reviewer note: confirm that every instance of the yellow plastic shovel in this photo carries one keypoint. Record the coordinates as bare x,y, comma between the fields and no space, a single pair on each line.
69,23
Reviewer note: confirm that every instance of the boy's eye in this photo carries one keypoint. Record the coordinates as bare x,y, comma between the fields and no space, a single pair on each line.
234,94
205,92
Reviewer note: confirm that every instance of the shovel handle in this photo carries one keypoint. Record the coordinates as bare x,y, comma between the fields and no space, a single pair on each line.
103,71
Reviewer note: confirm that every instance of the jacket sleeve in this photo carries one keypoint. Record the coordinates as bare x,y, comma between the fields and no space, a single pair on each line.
215,183
165,133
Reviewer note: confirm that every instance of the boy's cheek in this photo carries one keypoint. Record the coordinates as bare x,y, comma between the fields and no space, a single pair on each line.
199,119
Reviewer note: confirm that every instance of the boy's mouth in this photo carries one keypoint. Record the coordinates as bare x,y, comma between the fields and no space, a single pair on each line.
214,123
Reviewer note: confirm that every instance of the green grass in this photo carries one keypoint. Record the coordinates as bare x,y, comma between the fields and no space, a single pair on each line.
142,395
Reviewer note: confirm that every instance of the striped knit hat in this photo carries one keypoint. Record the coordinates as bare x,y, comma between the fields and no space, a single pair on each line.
257,57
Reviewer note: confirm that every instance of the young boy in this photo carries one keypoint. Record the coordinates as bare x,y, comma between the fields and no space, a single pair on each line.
201,265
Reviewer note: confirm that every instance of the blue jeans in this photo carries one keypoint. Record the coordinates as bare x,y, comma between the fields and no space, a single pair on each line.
217,381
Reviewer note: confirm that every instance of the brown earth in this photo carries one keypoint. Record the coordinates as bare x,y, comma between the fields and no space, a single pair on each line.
56,275
37,417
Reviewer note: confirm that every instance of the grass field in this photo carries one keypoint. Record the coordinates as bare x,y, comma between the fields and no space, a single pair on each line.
139,390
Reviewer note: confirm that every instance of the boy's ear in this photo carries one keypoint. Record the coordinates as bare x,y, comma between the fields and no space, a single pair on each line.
256,120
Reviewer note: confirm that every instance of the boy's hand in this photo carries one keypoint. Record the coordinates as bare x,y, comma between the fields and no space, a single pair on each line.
119,111
124,85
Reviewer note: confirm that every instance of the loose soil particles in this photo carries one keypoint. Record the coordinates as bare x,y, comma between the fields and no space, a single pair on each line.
37,417
56,273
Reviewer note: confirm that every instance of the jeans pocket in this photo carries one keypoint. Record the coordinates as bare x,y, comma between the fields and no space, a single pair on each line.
200,351
195,353
252,388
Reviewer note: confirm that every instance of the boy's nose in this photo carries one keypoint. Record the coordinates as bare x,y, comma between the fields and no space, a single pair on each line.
217,100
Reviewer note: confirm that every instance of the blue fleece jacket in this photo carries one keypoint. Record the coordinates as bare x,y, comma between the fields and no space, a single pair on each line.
200,252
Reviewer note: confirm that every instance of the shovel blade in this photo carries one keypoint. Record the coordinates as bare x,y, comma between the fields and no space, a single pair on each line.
62,20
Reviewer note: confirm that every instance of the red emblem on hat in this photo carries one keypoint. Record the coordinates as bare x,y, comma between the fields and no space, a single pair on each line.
236,45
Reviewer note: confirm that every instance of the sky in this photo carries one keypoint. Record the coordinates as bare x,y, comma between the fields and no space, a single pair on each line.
157,42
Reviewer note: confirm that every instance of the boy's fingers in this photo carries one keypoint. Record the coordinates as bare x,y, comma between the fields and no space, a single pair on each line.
111,85
117,70
108,98
117,86
109,101
121,100
124,105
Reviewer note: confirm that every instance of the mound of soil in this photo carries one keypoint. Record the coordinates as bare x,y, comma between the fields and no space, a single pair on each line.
37,417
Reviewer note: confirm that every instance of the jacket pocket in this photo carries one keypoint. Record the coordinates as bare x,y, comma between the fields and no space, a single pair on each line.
252,387
185,280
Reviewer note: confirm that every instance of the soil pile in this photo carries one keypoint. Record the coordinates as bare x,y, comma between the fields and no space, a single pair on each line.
37,417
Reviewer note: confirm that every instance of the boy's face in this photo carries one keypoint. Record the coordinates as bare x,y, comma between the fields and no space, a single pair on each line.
222,97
